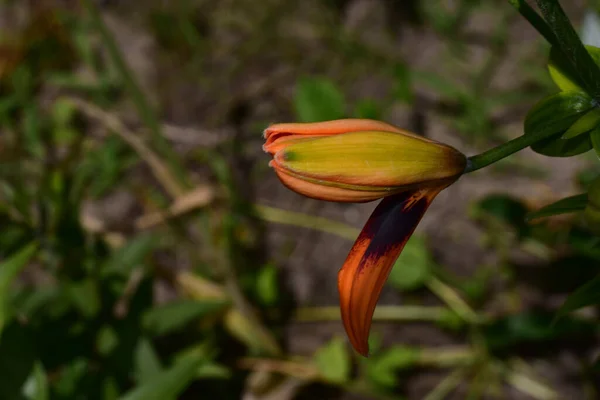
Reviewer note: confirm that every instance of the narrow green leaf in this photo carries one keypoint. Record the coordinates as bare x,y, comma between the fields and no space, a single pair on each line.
562,72
36,386
176,315
9,269
147,363
571,47
333,361
168,384
125,259
383,370
584,296
584,124
85,296
556,114
318,99
563,206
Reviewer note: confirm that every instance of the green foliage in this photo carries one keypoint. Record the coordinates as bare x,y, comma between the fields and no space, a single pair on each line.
563,206
318,99
556,114
413,267
333,361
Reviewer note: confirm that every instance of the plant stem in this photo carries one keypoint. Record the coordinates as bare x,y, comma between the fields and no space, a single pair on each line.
571,46
382,313
534,19
505,149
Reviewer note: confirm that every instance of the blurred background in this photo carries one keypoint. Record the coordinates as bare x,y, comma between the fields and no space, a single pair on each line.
148,251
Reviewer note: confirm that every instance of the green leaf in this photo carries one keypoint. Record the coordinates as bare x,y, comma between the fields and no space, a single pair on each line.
107,340
595,138
85,297
534,327
36,386
318,99
9,269
68,382
176,315
267,287
168,384
382,370
333,361
562,72
402,83
556,114
584,124
368,109
563,206
126,258
584,296
413,267
147,363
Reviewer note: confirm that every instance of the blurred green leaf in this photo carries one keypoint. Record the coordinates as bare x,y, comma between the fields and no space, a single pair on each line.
534,327
382,370
9,269
85,297
333,361
562,72
68,382
17,360
318,99
36,386
130,256
504,208
403,84
413,267
213,371
584,124
168,384
176,315
555,114
267,287
563,206
147,363
107,340
368,109
584,296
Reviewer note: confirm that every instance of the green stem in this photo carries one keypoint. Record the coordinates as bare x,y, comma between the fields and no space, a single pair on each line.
382,313
534,19
505,149
571,46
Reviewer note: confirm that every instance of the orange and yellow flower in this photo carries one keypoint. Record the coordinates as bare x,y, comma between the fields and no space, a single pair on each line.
358,160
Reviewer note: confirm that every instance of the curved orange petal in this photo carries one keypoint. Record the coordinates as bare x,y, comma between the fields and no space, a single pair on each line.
327,128
372,257
321,191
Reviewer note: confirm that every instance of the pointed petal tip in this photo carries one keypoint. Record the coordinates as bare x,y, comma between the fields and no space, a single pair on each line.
367,267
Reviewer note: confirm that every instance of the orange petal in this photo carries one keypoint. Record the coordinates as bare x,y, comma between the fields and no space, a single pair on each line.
372,257
321,191
327,128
